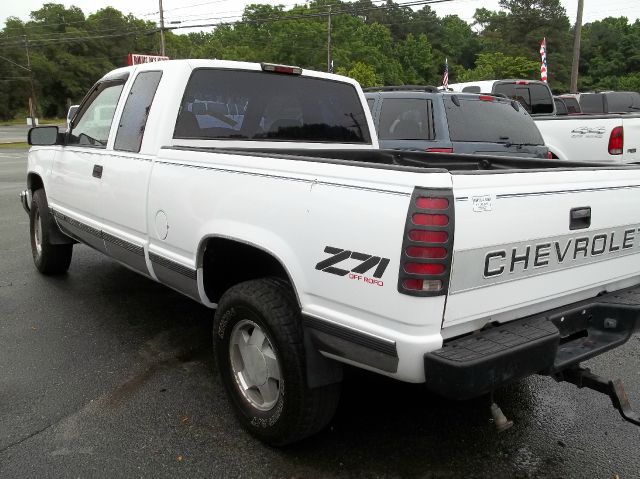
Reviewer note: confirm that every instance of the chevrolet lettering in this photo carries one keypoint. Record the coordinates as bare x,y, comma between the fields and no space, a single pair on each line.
562,252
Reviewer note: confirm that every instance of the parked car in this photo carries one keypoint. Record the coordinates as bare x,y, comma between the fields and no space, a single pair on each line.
612,137
422,118
534,96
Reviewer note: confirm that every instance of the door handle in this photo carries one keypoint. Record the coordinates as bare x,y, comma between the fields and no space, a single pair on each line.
97,171
580,218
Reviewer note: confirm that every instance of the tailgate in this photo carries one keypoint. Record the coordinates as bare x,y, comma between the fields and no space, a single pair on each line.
631,151
526,242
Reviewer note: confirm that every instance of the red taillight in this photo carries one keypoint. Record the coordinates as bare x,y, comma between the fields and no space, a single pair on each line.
426,252
549,155
430,220
422,284
616,141
439,150
427,247
432,203
486,98
424,268
522,82
428,236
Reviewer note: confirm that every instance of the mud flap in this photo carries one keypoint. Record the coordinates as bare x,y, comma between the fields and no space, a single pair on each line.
321,371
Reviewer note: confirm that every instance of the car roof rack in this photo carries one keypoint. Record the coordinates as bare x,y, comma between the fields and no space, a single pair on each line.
427,88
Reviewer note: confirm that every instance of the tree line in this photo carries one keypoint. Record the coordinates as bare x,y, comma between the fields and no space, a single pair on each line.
387,44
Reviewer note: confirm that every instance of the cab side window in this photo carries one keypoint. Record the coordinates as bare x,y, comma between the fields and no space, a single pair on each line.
92,123
136,110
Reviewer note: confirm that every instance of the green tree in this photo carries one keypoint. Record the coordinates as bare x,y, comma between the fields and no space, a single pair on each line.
362,73
498,65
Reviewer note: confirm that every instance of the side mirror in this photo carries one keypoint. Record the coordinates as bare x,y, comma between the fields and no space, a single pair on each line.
43,136
70,114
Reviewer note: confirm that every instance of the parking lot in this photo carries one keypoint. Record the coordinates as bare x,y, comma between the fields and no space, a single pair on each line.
13,133
107,374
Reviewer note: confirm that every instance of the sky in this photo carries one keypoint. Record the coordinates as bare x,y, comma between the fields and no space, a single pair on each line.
192,11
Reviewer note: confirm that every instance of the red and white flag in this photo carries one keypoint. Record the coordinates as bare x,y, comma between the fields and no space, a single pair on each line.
445,75
543,56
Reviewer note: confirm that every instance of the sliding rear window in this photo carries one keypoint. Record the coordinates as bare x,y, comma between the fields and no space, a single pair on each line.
253,105
534,97
495,121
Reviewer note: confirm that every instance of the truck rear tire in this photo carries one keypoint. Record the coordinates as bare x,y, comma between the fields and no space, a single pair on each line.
50,259
258,343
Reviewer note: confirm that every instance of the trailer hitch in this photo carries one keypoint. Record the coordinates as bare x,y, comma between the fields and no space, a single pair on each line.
584,378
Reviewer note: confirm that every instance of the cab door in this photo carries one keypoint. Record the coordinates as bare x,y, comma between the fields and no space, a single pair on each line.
77,170
123,192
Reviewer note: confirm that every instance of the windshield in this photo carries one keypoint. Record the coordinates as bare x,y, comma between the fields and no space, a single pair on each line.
490,122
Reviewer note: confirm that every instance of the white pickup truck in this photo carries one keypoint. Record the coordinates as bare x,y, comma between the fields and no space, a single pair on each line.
604,138
258,191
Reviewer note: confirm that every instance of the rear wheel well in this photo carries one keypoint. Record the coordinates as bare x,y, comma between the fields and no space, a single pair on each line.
227,262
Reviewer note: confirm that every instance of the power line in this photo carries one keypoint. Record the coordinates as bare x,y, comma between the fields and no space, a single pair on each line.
350,11
285,17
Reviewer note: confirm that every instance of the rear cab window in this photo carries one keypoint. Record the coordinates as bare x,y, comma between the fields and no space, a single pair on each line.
561,108
406,119
136,109
592,102
623,102
572,105
254,105
467,119
535,97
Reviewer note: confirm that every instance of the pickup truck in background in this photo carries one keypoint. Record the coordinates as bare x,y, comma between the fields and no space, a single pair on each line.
316,249
601,138
422,118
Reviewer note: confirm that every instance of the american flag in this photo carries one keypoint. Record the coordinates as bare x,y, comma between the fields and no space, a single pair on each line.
543,55
445,76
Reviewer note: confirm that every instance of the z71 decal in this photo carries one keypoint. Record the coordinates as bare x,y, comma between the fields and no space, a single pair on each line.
367,263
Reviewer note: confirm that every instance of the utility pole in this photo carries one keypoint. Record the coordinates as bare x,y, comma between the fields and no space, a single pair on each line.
576,48
32,99
161,29
329,61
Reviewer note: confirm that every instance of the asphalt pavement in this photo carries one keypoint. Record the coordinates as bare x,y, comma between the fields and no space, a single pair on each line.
104,373
13,133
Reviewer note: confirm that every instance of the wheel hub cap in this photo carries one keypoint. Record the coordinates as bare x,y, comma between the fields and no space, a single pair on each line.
37,233
254,365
